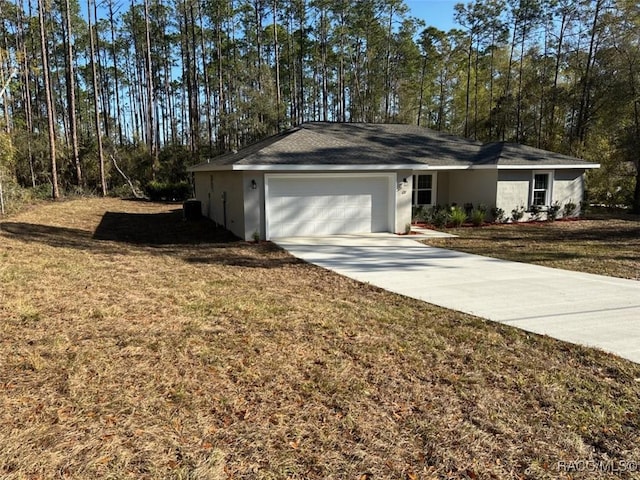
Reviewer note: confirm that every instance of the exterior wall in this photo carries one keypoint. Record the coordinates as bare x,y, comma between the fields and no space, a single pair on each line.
245,206
253,205
505,189
222,198
442,188
472,186
568,187
514,189
404,192
201,190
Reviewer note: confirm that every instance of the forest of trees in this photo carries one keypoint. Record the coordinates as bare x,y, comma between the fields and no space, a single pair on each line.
93,92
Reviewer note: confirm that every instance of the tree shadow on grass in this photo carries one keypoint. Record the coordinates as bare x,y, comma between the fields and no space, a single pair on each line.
61,237
195,241
160,229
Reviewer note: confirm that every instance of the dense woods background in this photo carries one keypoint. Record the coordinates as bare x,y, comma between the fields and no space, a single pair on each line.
95,95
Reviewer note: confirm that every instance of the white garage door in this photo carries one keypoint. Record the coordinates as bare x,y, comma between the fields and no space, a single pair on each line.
301,205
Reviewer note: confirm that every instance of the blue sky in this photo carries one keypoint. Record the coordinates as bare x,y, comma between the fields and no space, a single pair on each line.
436,13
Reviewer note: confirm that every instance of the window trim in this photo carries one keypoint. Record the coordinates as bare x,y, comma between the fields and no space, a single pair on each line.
549,190
414,189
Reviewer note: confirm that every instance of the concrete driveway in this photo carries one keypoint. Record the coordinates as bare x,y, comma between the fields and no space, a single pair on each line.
582,308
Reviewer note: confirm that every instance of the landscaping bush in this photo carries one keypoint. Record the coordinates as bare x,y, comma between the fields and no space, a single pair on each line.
497,214
419,214
569,210
535,211
457,216
477,217
438,216
552,212
517,213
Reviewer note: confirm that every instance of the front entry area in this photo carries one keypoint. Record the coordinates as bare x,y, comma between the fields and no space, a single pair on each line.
328,204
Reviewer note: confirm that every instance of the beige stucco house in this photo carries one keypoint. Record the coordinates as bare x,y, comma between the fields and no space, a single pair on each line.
332,178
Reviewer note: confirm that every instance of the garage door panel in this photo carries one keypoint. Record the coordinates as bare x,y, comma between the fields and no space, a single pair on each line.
319,205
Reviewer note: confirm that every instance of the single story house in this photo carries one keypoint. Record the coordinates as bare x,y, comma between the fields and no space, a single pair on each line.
331,178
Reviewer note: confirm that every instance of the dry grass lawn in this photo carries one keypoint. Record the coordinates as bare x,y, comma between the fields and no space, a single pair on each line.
604,244
136,345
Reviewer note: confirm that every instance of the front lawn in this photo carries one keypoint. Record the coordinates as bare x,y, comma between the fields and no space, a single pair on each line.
606,245
136,345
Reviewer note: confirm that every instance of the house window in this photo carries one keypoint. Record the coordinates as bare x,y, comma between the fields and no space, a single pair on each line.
541,189
422,190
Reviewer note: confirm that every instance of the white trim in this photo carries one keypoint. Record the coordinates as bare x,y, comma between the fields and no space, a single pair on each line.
559,166
549,196
510,167
434,187
321,168
415,167
304,168
392,200
443,167
564,166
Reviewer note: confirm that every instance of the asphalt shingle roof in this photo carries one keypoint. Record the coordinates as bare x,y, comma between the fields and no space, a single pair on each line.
320,143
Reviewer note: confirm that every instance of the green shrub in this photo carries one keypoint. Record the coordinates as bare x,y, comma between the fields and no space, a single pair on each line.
419,214
123,190
585,207
517,213
552,212
478,217
438,216
457,216
170,192
535,211
569,209
497,214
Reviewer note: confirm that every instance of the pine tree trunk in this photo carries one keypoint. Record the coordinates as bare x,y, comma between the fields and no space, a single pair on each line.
151,135
554,94
223,134
26,92
421,97
55,192
519,96
71,96
207,85
102,91
585,100
116,76
276,53
468,89
96,105
507,90
387,79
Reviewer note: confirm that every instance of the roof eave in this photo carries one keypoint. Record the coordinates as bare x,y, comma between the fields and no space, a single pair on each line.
305,168
542,166
208,167
382,167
